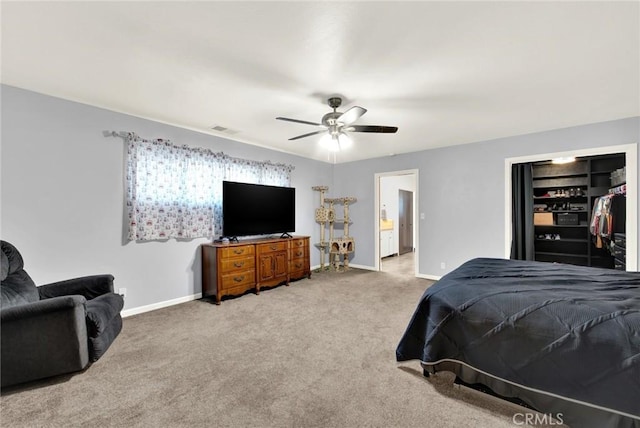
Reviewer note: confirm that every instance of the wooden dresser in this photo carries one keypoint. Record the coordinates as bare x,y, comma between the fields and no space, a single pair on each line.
235,268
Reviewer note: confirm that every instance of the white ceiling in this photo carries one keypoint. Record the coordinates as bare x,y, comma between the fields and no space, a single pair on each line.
445,73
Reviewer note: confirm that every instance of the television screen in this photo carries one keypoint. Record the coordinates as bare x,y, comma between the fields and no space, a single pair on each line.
256,209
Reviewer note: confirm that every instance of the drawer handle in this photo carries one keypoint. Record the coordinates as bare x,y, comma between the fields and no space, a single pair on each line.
238,251
238,278
238,264
298,265
299,254
299,244
274,247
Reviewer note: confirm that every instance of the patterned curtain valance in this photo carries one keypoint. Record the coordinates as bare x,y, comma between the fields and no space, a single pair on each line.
176,191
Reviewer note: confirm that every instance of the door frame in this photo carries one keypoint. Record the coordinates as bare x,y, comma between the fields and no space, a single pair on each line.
412,195
631,162
376,216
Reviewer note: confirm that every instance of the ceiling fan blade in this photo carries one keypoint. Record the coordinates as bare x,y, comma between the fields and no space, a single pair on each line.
308,135
351,115
298,121
373,128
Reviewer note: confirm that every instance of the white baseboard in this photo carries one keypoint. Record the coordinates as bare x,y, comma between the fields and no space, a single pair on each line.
431,277
362,267
159,305
316,267
152,307
357,266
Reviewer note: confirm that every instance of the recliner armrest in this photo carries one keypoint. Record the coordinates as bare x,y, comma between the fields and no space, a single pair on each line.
100,312
87,286
41,308
43,338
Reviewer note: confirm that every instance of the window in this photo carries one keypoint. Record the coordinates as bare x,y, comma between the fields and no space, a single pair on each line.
176,191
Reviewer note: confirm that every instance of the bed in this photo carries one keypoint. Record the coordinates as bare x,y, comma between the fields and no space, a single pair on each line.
562,339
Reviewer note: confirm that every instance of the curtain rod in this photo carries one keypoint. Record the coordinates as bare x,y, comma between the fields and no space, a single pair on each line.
125,135
121,134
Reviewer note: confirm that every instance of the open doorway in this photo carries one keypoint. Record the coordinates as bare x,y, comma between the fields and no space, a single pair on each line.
396,230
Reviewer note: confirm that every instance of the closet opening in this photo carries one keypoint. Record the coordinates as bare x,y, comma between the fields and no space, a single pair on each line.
572,210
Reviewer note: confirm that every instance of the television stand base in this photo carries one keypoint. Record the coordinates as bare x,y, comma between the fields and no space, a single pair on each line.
285,235
226,240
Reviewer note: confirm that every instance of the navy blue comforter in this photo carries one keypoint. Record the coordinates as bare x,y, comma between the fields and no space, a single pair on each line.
566,330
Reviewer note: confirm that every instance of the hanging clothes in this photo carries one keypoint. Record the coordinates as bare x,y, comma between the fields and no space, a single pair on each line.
602,219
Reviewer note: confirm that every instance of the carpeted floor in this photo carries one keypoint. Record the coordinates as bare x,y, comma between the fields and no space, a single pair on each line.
319,353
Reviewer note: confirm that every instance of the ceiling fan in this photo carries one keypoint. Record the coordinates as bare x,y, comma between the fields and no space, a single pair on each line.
335,125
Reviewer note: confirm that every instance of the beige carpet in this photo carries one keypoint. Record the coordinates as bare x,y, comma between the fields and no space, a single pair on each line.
319,353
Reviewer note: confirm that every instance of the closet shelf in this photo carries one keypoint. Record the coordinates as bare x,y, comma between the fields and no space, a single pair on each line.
562,225
545,253
559,197
563,240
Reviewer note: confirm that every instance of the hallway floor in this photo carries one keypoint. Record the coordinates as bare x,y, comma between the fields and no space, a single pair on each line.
401,265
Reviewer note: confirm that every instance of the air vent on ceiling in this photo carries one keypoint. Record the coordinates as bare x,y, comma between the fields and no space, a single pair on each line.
223,129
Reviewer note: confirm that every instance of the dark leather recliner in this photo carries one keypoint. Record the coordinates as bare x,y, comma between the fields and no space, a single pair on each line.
55,328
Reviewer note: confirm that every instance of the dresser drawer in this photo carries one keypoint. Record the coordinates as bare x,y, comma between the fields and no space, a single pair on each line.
299,253
299,269
236,264
298,265
236,251
246,278
299,243
271,247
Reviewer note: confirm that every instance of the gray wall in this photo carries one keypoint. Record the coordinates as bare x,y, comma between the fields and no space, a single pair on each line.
461,191
62,196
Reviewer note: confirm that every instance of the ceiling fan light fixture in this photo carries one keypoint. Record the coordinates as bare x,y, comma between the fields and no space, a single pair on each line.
330,142
344,140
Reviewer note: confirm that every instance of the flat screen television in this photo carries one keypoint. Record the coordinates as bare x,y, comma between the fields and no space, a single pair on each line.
257,209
